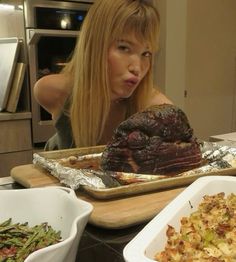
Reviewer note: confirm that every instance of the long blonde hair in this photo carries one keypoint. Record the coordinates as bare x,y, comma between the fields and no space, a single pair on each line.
106,21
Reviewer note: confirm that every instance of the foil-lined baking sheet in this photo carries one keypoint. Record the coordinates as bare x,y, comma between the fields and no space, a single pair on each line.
218,157
72,177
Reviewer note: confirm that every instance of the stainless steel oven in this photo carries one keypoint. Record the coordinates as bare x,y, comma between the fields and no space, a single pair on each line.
51,31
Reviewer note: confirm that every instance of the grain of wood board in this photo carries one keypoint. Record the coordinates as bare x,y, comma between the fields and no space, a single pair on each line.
31,176
129,211
16,87
108,213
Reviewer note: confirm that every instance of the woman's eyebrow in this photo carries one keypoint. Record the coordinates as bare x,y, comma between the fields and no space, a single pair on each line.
124,40
147,47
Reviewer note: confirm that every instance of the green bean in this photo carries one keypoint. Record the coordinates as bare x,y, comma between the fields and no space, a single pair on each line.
6,223
21,240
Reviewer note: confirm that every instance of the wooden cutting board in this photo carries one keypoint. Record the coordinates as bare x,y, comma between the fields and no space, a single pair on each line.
111,214
31,176
129,211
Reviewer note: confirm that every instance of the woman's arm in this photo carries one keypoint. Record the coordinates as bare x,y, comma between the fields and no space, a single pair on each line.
51,92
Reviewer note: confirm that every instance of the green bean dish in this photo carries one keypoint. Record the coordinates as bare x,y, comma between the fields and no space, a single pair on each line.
18,241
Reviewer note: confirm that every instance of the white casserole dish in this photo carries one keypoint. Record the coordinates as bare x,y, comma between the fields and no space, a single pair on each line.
58,206
152,238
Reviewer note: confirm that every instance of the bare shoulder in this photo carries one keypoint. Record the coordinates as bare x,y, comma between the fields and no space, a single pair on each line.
51,91
54,82
158,98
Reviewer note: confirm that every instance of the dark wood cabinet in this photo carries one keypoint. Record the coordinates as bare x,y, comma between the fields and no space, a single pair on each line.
15,141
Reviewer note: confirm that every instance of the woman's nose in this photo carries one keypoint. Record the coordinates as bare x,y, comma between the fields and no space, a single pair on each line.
134,67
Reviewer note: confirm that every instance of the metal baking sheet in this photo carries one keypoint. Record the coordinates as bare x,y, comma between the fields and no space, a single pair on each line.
221,161
9,49
161,184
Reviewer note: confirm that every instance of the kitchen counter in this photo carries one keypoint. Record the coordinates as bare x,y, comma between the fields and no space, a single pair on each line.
97,244
230,137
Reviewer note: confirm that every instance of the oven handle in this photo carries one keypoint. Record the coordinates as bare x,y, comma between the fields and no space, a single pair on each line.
33,35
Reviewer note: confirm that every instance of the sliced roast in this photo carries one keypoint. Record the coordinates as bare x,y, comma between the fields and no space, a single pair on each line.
158,140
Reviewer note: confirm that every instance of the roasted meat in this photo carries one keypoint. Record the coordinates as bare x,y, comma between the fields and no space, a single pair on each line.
158,140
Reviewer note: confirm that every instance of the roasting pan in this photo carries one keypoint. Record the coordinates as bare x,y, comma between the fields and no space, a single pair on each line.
219,158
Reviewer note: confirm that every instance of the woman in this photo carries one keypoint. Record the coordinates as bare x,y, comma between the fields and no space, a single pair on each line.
109,76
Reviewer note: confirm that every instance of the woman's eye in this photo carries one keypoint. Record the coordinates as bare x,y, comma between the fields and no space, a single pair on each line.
123,48
147,54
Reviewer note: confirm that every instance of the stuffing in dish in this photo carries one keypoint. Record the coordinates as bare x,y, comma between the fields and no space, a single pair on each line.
208,234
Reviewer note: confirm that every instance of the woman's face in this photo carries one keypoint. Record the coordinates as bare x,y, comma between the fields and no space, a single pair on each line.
128,62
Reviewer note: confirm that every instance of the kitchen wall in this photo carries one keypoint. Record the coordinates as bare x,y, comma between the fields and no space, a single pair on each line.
160,64
198,57
12,25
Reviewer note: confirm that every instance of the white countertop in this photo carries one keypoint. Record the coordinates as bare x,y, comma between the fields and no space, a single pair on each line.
226,137
6,180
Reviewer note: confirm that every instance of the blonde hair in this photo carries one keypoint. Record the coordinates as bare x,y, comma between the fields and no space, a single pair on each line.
106,21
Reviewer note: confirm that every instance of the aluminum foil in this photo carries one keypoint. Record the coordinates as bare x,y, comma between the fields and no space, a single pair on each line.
216,157
221,156
69,176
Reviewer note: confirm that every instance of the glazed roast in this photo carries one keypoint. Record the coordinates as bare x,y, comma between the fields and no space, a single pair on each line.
158,140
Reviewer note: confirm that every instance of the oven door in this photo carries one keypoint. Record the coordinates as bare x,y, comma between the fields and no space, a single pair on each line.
47,51
52,8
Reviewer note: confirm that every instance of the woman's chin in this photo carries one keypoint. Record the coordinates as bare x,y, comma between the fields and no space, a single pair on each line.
126,95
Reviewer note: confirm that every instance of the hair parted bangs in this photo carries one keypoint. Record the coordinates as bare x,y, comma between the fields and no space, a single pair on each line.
116,18
139,18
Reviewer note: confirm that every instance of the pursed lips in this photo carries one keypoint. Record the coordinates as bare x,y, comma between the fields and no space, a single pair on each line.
132,81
